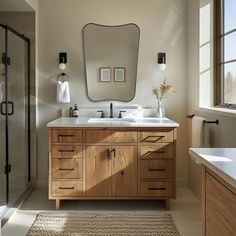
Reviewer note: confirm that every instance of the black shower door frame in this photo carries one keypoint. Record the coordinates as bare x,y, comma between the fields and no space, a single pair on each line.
5,59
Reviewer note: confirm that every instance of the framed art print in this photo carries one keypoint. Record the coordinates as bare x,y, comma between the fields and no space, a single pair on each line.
119,74
105,74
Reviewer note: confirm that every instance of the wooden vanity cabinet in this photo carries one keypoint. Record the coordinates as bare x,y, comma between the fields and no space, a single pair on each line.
112,163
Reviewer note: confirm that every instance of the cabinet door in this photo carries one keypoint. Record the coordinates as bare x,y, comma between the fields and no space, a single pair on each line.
124,171
98,171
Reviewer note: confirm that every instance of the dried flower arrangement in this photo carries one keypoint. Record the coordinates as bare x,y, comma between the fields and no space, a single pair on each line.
164,89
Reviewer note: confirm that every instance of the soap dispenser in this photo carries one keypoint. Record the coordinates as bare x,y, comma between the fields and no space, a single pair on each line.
75,112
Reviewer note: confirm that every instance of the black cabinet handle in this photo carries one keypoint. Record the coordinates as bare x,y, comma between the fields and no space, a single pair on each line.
66,188
153,189
4,112
157,138
71,169
150,169
12,108
156,152
66,135
65,150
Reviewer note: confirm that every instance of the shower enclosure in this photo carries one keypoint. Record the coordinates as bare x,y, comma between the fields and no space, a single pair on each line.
14,116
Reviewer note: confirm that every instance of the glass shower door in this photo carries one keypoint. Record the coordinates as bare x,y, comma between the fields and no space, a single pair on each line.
17,116
3,188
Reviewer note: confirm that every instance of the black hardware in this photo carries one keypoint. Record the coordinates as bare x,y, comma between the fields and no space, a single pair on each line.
205,121
65,150
161,58
5,60
62,57
120,114
7,169
114,151
66,188
150,169
102,114
111,110
108,152
156,152
4,112
158,137
71,169
122,172
156,188
66,135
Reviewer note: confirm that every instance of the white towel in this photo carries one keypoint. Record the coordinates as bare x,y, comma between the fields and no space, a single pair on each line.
63,92
200,134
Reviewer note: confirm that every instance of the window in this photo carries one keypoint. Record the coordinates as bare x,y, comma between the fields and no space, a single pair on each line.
225,53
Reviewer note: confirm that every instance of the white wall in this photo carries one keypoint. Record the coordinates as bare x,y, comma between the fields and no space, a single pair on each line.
163,25
222,135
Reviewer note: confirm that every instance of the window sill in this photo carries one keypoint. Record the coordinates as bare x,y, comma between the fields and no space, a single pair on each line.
219,110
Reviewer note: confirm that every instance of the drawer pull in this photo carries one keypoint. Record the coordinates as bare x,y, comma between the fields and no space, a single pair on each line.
66,188
150,169
71,169
156,152
66,150
151,189
66,135
158,137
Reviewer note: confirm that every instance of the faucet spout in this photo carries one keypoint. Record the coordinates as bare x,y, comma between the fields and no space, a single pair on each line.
111,110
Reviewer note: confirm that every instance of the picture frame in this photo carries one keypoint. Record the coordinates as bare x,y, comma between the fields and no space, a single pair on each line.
104,74
119,74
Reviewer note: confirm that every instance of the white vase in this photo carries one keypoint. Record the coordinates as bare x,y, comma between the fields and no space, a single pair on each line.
160,109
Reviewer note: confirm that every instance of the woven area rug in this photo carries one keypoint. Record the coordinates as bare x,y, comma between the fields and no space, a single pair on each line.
74,223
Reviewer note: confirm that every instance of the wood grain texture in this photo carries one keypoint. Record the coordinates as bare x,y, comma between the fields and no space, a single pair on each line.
98,171
68,151
124,171
67,136
162,136
220,208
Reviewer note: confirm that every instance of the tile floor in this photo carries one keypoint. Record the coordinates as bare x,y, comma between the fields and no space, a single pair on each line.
185,210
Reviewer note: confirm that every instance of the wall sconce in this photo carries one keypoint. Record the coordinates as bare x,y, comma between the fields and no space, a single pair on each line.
62,60
161,60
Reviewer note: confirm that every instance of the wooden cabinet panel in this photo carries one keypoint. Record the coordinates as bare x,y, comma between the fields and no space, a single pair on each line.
67,152
220,208
98,171
125,136
65,188
157,169
156,189
67,168
161,151
162,136
107,136
66,136
124,171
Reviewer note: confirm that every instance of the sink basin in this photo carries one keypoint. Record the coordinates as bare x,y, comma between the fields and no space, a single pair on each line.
111,120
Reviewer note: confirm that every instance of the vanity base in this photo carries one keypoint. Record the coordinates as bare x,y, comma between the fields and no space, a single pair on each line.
166,201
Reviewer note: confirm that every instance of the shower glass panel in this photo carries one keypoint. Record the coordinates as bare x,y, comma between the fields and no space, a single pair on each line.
3,194
17,116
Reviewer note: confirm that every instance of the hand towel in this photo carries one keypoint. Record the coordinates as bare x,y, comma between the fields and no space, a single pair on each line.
63,92
200,133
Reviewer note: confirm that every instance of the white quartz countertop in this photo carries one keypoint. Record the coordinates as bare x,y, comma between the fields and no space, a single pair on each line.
222,161
113,122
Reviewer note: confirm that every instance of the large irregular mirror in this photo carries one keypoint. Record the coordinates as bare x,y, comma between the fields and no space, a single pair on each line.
111,58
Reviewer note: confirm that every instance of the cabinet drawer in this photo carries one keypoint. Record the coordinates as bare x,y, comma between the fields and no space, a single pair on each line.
66,168
67,188
66,136
157,152
106,136
156,189
157,169
162,136
67,152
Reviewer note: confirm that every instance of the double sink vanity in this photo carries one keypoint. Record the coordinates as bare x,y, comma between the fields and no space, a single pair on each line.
112,158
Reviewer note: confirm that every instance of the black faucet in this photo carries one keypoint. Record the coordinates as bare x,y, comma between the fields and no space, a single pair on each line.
111,110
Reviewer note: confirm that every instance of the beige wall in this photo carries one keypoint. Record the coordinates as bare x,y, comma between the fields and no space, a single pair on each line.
222,135
163,25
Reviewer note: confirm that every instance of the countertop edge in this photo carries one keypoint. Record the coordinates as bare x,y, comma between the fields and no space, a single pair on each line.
213,168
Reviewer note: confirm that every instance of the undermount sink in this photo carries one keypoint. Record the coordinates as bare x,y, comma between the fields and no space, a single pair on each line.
111,120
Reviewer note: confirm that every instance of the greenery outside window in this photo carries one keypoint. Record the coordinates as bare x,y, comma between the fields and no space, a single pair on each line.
225,53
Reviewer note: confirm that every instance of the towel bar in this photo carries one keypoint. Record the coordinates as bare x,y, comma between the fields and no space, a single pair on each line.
205,121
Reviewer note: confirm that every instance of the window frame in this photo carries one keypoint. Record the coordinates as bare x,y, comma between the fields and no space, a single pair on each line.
219,34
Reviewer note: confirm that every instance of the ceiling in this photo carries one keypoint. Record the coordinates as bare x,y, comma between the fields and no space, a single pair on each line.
14,5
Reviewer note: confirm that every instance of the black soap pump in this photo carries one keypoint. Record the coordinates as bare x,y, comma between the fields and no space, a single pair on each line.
75,111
